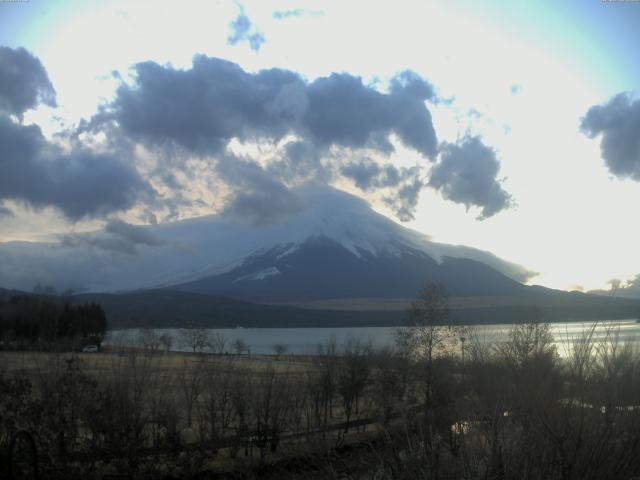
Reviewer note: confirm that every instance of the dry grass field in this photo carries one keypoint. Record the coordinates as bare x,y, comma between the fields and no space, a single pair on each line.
348,412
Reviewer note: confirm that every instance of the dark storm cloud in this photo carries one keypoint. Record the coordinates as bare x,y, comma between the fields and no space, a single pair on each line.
80,183
133,233
618,124
301,161
344,111
467,173
257,197
368,175
203,108
410,83
108,243
242,30
263,207
23,82
364,173
117,237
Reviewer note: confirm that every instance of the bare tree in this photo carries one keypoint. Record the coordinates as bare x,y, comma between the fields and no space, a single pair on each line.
149,340
429,335
387,383
528,342
279,349
240,401
216,405
217,343
190,378
429,331
196,339
327,362
166,341
614,283
353,376
240,346
269,407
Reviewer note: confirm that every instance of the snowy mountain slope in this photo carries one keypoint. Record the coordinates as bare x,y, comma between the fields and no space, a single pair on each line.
213,246
322,268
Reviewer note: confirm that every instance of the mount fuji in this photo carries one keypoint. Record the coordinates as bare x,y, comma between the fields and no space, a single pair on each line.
333,261
333,246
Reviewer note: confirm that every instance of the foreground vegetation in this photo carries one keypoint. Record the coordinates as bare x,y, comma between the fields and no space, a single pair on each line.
440,405
514,410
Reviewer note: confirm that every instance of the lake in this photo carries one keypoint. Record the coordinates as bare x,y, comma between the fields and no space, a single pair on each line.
306,340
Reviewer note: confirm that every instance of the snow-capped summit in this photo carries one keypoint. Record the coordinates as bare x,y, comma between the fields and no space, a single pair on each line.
334,244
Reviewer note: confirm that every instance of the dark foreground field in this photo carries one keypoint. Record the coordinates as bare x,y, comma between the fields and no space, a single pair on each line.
514,410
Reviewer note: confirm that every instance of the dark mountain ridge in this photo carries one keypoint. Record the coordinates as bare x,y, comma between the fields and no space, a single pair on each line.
321,268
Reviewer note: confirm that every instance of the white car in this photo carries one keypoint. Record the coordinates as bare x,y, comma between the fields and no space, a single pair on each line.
90,349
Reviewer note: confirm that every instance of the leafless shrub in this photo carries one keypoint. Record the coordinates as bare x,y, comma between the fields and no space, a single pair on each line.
195,339
279,349
216,406
190,378
217,343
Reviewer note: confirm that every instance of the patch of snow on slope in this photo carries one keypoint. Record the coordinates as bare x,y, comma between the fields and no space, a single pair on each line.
288,251
259,275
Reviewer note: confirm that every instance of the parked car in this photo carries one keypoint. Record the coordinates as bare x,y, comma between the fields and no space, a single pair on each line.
90,349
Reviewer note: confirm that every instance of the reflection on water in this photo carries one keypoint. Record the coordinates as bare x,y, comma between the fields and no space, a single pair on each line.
306,340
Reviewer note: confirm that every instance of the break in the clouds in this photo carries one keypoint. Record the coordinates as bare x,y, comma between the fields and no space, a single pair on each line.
467,173
24,82
405,199
80,183
243,30
618,124
406,184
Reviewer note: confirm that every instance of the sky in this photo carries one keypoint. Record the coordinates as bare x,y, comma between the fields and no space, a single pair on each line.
512,127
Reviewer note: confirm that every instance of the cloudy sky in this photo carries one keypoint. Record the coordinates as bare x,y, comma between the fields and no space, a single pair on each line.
513,127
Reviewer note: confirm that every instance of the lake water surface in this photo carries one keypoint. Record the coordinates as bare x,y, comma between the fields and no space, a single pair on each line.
306,340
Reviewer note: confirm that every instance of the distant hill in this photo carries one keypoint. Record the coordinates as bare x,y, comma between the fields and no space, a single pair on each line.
165,308
168,308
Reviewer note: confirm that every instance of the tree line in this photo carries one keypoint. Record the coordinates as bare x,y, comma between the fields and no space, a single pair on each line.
32,320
